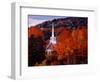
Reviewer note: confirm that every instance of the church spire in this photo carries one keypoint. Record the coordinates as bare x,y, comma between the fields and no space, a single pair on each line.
52,30
53,38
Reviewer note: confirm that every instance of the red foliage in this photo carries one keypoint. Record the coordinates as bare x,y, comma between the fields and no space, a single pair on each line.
34,31
69,40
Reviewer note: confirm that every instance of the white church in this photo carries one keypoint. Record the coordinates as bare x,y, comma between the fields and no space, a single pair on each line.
52,42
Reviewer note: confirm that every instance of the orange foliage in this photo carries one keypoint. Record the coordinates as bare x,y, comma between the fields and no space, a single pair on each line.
35,31
67,40
70,40
60,48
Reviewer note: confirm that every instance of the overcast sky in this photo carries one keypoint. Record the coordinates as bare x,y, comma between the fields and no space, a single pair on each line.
36,19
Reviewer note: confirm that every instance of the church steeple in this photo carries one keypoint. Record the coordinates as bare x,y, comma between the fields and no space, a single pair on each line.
53,38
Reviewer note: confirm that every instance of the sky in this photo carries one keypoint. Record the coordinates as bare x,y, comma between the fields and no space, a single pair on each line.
36,19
